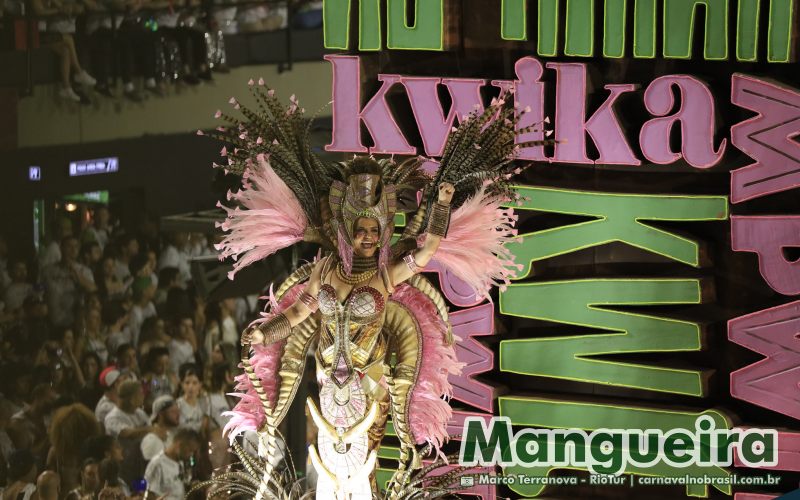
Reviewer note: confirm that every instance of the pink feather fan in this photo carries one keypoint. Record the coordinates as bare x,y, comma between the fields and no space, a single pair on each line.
474,249
269,218
429,411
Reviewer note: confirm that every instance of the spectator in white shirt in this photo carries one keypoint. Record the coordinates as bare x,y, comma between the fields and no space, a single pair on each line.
130,424
127,362
166,476
128,249
175,255
193,411
128,420
110,379
183,345
19,289
165,418
143,293
51,253
100,229
64,282
117,320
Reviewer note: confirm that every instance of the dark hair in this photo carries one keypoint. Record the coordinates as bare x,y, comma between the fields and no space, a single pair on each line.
65,239
218,375
96,447
121,350
109,472
113,311
167,276
185,435
91,354
20,463
126,238
88,461
187,369
87,247
148,329
137,263
154,354
57,334
214,312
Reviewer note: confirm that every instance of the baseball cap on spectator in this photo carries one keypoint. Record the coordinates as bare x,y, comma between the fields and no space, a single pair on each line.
109,376
160,404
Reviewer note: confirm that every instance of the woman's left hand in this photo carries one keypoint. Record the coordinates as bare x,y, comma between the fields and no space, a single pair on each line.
446,191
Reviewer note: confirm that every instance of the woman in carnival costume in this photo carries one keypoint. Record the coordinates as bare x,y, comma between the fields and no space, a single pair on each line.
383,342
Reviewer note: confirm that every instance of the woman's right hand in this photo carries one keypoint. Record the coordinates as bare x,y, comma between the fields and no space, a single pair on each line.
252,335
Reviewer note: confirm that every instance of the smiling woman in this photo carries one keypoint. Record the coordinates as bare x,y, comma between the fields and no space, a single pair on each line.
367,232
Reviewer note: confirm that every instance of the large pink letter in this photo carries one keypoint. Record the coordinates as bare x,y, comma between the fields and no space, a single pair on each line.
767,138
433,126
768,236
572,126
348,115
528,94
772,382
456,291
467,324
696,118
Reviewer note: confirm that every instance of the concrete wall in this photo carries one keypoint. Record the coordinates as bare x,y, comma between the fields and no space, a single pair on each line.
43,120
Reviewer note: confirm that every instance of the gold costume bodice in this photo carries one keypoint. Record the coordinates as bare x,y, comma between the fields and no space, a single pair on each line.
359,319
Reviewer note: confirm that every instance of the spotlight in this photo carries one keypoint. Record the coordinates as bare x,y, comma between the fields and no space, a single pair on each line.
71,207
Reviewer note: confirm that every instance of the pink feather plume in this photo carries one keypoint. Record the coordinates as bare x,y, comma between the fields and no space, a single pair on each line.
248,414
474,249
269,218
429,411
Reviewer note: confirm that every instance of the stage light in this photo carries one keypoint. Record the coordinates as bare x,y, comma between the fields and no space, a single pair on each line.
71,207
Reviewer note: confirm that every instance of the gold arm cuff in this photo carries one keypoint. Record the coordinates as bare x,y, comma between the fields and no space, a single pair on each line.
276,329
439,220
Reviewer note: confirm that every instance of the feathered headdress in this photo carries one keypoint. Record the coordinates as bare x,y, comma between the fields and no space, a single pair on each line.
289,194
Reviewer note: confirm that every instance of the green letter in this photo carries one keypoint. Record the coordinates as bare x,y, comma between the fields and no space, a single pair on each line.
427,33
676,445
586,303
496,447
650,447
781,21
614,28
679,18
766,456
644,29
580,28
336,24
619,217
609,462
540,412
514,22
747,30
521,446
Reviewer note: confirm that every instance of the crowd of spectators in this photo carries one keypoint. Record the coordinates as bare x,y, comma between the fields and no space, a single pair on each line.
114,372
145,45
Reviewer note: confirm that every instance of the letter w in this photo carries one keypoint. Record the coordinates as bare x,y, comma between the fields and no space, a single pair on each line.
586,303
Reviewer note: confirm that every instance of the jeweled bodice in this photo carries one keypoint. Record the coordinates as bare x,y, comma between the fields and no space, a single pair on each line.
359,318
364,303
